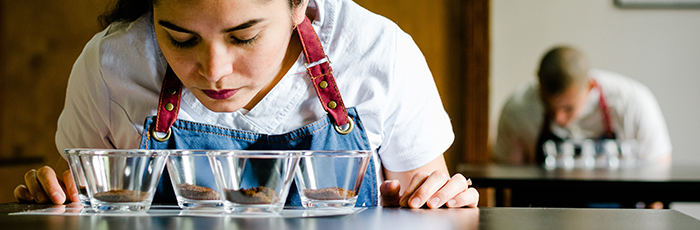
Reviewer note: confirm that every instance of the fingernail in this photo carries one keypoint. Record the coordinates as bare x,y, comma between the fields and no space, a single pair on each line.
451,203
469,182
393,182
415,203
434,202
57,196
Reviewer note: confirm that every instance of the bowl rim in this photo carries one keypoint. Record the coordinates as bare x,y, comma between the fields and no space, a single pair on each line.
221,153
337,153
188,152
254,153
116,152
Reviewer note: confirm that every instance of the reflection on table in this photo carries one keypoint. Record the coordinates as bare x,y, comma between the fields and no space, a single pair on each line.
371,218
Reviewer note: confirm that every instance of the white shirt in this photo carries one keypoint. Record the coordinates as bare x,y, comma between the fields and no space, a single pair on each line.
634,113
115,85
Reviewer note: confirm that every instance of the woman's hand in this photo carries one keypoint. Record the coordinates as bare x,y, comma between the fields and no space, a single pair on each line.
433,189
44,186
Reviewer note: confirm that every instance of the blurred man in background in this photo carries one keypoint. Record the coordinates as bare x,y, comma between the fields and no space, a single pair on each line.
569,101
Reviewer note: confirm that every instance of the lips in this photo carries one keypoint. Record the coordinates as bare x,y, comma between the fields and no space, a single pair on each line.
220,94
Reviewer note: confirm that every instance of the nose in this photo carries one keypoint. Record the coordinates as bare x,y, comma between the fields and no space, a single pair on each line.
215,62
561,118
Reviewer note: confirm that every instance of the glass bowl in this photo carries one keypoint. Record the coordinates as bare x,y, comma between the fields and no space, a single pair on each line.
254,182
331,179
121,179
78,176
193,180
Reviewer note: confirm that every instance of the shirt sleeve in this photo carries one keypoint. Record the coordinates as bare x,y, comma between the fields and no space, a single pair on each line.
508,147
651,134
84,121
519,126
416,129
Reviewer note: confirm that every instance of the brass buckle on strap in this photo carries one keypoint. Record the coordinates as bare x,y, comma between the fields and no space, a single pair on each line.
161,139
350,126
324,60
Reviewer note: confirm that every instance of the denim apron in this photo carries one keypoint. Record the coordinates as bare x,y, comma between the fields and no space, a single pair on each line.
546,133
341,129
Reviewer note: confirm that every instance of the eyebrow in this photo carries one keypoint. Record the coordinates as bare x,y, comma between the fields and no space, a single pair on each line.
174,27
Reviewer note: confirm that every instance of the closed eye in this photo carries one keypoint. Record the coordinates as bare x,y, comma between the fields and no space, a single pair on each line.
244,42
186,44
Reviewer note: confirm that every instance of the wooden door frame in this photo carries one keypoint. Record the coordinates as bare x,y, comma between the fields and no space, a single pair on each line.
469,74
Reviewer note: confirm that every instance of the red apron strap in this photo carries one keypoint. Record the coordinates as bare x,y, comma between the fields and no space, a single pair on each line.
169,104
319,69
606,114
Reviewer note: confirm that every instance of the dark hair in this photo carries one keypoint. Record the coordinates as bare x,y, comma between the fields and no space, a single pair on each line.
130,10
560,68
125,10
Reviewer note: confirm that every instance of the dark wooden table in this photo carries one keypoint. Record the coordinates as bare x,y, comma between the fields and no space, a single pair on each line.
372,218
536,186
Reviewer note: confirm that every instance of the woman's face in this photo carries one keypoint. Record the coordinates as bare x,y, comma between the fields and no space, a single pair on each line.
226,51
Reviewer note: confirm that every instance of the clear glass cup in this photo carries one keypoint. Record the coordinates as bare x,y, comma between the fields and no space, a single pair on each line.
78,176
193,180
121,179
254,182
331,179
612,151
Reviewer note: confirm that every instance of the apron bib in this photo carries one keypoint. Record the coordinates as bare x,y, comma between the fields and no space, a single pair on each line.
546,133
341,129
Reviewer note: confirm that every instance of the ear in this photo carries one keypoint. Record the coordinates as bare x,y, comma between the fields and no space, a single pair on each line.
591,83
299,12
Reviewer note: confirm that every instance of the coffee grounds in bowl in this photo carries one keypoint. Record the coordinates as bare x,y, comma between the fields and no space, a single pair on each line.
82,190
121,195
259,195
195,192
330,193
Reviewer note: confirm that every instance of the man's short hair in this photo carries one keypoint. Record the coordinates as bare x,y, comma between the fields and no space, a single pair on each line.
560,68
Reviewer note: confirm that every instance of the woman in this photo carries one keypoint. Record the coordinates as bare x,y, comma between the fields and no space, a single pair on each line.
237,74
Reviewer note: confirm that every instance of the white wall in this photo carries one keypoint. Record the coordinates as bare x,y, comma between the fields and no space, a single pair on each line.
658,47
